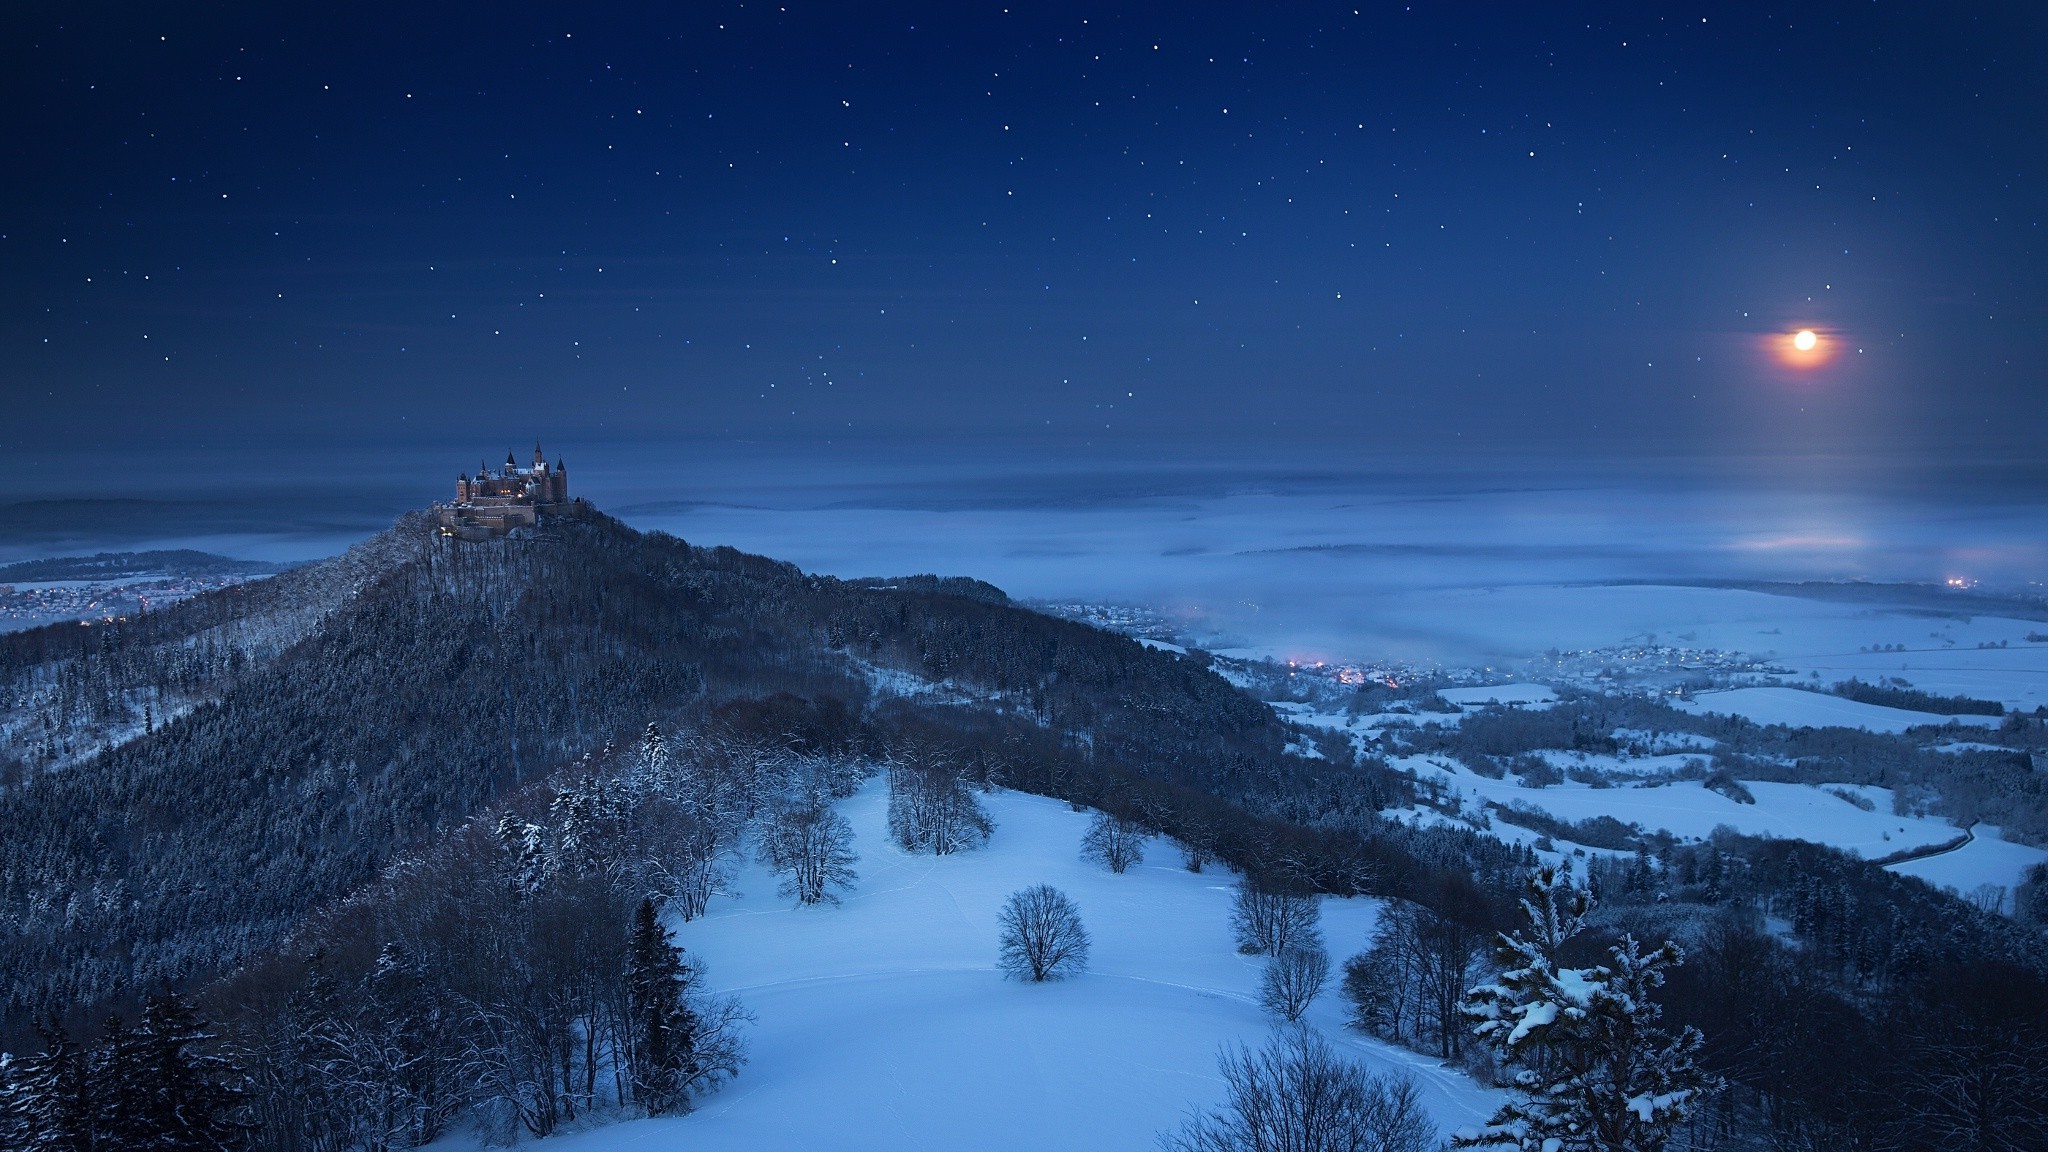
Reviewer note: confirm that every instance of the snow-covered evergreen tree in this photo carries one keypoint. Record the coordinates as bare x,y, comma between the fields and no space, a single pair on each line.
1594,1071
654,758
50,1099
526,844
663,1038
181,1095
13,1102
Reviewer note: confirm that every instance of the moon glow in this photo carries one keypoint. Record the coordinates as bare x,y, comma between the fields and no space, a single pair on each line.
1801,349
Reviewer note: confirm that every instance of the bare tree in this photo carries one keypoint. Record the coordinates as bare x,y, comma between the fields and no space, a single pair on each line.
1271,920
1407,986
1293,980
1196,836
1297,1095
1447,952
1041,935
1114,841
812,847
931,808
1381,982
695,865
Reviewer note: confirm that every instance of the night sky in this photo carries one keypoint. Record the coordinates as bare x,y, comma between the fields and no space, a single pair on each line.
1314,228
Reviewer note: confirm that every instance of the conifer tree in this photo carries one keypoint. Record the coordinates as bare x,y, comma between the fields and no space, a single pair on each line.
653,747
175,1094
13,1103
1595,1072
50,1099
664,1059
116,1092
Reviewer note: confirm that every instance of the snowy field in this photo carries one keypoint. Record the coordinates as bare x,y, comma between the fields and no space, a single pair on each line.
1986,859
1798,708
884,1025
1690,811
1655,764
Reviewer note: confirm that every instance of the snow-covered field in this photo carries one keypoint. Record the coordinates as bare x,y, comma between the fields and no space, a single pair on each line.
1987,859
1516,694
1565,760
1799,708
882,1024
1688,810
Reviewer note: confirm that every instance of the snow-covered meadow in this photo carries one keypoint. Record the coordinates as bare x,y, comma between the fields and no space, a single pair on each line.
883,1023
1988,858
1689,810
1799,708
1517,695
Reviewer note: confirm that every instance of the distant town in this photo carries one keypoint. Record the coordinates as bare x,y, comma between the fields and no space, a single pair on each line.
29,605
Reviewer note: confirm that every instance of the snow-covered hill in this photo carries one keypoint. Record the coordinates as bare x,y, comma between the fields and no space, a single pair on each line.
884,1025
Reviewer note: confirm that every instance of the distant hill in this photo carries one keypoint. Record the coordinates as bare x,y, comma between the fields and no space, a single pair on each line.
118,565
83,524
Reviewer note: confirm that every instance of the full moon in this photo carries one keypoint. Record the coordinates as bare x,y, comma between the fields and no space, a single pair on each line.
1800,349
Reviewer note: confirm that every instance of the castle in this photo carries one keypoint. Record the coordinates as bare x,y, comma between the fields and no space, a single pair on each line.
494,503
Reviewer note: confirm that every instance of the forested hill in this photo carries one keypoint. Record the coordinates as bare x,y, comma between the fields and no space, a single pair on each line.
69,689
399,690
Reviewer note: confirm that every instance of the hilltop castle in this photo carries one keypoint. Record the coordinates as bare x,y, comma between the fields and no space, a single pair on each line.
493,503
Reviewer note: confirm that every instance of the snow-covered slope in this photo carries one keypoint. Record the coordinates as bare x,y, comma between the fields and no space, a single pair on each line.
1799,708
884,1025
